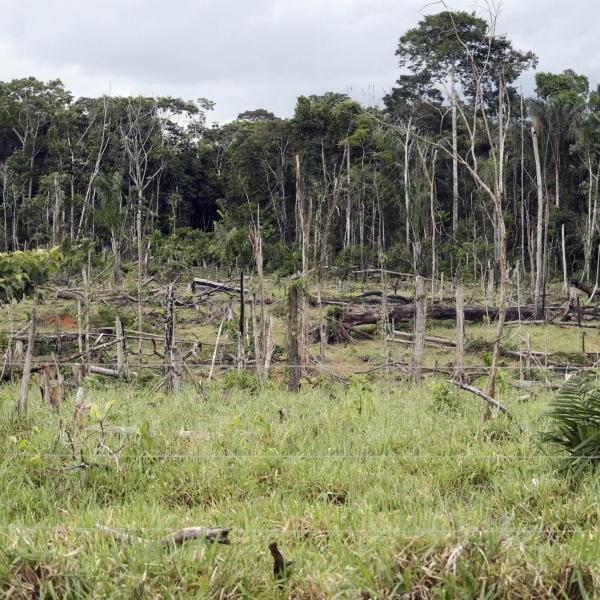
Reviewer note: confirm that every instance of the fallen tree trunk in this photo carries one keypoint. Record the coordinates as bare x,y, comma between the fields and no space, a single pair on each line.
373,298
49,337
213,285
398,313
354,316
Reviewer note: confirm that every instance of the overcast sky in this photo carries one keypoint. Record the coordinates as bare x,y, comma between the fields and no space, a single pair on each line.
246,54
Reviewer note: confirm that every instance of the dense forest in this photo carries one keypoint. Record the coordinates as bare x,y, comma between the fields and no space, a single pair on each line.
420,184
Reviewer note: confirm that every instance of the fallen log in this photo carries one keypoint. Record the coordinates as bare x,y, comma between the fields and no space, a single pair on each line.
213,285
68,295
49,337
210,534
373,298
358,315
103,371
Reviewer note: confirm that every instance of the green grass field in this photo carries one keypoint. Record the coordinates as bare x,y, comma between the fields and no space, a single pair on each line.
374,490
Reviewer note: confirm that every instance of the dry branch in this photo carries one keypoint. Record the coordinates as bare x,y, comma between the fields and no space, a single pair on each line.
481,394
210,534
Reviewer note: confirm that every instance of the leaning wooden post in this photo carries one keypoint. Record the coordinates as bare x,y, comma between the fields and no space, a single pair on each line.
293,333
26,380
216,349
460,332
420,321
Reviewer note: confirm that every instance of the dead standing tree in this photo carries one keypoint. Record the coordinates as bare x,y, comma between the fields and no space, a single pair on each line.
328,197
539,243
420,323
480,120
260,332
460,333
305,217
172,368
142,140
293,338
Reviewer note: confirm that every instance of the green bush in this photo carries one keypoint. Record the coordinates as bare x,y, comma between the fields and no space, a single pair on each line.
21,272
106,315
575,416
446,397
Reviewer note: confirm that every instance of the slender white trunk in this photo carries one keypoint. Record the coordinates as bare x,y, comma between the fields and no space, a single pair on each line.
539,269
454,158
406,184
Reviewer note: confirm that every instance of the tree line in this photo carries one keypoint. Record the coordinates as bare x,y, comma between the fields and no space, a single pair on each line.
458,172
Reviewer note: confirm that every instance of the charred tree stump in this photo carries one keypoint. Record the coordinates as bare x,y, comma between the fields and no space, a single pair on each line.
293,335
172,374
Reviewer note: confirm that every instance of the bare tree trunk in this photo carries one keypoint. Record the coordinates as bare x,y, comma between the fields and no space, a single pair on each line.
4,176
171,375
242,326
86,312
522,204
120,345
322,331
140,275
502,305
454,157
216,350
258,358
348,231
26,380
406,186
460,332
293,358
79,327
564,258
420,324
56,210
539,268
591,221
116,252
305,215
259,328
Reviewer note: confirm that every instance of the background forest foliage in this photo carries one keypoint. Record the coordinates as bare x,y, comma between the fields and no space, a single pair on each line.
381,186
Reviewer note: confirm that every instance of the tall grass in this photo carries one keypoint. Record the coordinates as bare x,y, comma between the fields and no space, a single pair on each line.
374,490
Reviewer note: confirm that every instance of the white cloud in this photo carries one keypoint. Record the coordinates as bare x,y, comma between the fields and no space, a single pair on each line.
246,54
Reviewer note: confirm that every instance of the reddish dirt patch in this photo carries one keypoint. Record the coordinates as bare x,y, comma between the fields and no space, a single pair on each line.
65,321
